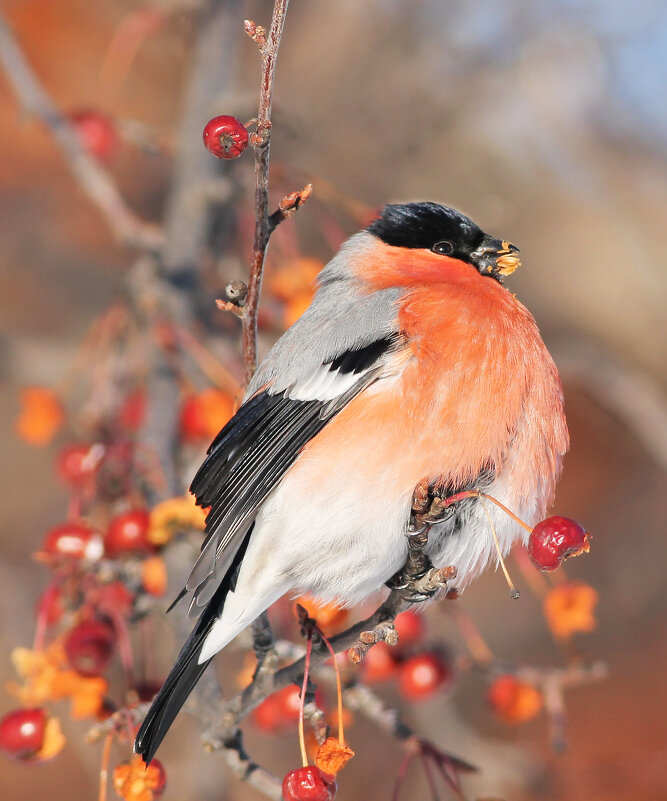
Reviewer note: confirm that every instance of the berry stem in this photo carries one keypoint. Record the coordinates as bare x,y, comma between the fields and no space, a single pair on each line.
339,690
124,644
304,687
104,768
513,590
42,615
460,496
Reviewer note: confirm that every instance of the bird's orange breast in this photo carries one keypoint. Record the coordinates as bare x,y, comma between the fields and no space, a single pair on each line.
477,386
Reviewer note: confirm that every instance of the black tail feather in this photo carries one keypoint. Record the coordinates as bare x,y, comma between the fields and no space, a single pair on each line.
168,702
186,671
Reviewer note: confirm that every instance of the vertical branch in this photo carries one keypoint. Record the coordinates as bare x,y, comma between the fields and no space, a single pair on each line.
269,51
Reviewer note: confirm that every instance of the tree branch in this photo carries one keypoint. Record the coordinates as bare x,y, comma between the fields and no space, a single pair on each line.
260,140
93,179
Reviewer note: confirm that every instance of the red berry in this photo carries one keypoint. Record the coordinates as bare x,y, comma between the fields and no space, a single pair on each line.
308,784
158,778
279,710
225,137
78,462
422,675
554,539
89,647
379,663
96,132
409,627
114,599
116,472
74,540
22,732
128,532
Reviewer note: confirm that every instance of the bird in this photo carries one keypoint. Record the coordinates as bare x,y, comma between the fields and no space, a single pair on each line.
413,363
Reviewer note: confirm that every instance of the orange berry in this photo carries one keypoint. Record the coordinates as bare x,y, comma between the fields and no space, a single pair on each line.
514,701
41,416
296,306
154,575
204,414
294,278
330,617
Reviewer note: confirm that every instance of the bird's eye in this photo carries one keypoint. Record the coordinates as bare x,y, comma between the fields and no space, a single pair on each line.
444,248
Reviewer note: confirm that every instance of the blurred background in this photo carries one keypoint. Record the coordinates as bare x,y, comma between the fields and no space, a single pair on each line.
545,121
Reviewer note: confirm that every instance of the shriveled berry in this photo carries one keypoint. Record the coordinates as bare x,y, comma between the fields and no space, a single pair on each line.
423,675
225,137
96,132
128,532
308,784
74,540
554,540
89,647
22,733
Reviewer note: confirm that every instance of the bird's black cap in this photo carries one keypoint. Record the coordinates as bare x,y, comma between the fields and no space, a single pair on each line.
422,225
445,231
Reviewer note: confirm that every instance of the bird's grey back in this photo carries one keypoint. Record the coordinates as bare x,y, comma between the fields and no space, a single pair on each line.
341,317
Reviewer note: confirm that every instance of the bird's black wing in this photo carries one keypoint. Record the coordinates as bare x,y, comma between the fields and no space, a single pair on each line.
260,443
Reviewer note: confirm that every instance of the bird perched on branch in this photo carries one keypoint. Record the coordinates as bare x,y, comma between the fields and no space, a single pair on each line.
413,363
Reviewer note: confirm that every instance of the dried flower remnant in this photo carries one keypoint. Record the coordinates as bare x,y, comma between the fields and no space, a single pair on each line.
570,608
174,515
134,781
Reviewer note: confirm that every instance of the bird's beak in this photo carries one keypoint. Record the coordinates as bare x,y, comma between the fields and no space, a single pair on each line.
496,258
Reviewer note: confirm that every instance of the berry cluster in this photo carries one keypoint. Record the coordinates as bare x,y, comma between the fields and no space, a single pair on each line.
419,673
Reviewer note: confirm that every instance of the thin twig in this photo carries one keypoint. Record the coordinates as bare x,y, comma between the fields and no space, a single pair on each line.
269,51
93,179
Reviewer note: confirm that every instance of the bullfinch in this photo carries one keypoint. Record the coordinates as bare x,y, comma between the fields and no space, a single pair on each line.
413,362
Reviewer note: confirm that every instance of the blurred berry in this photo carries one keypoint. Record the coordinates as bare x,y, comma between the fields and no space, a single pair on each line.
96,132
204,414
89,647
409,627
514,701
22,733
74,540
77,463
128,532
423,675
